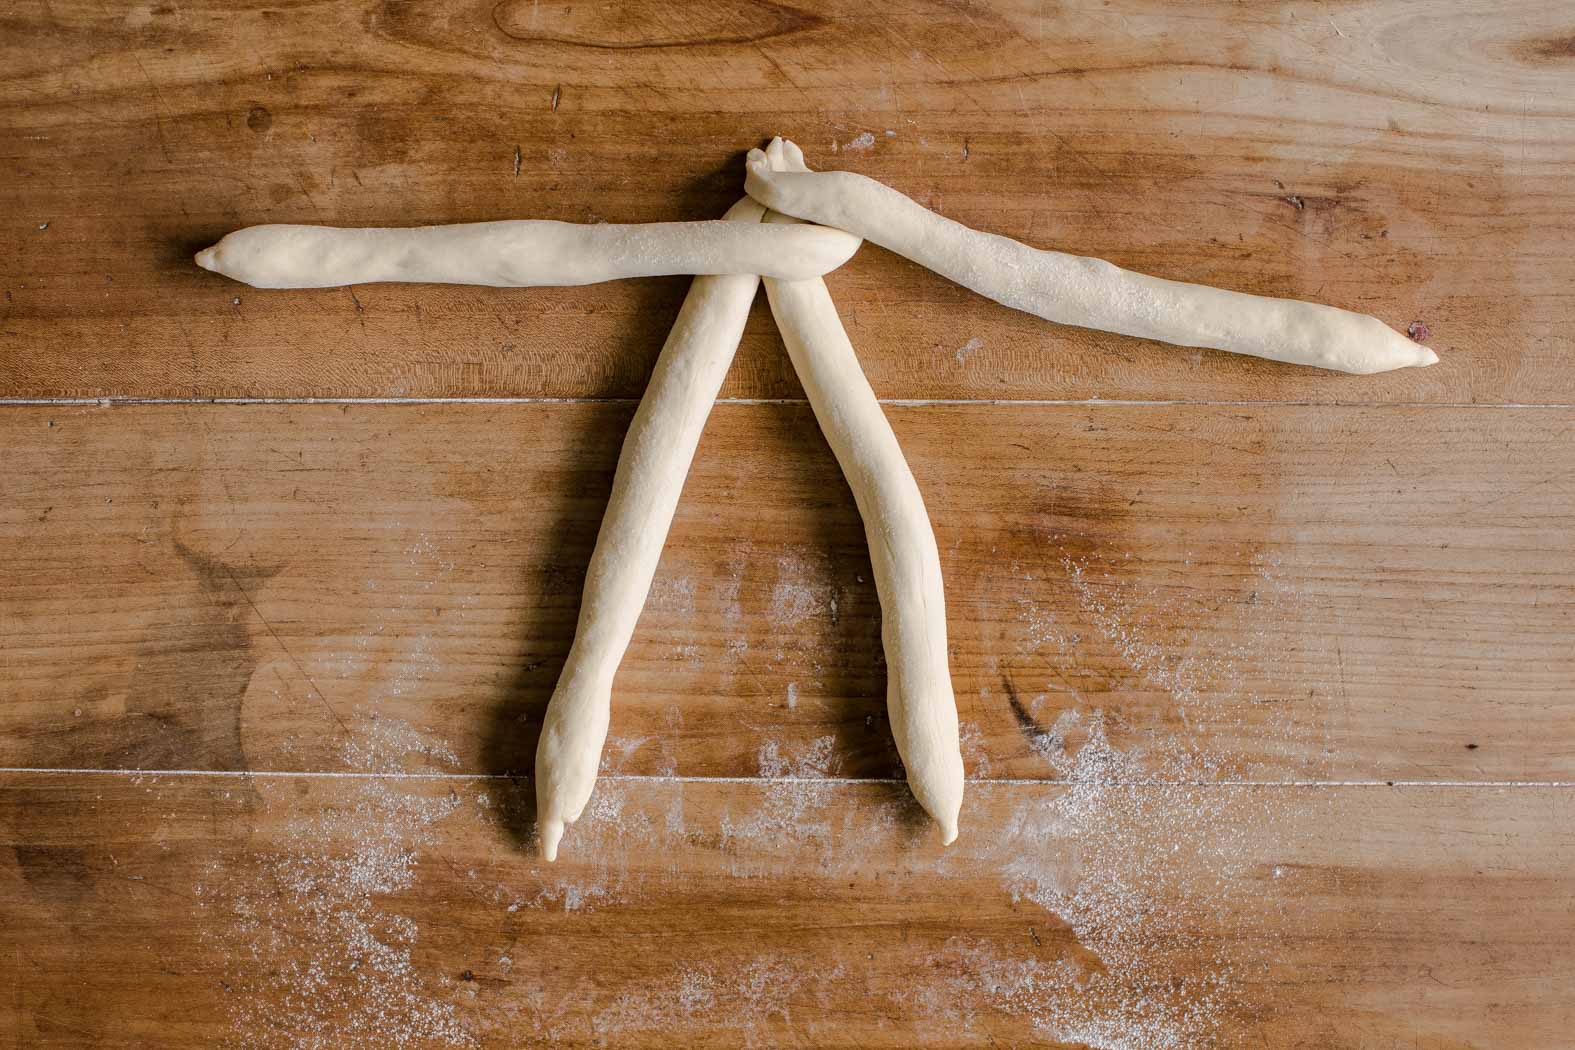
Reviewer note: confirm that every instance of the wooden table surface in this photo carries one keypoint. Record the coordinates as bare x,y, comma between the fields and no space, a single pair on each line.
1264,673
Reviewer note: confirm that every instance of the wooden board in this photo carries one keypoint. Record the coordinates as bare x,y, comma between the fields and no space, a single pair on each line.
375,912
1263,671
1303,592
1408,160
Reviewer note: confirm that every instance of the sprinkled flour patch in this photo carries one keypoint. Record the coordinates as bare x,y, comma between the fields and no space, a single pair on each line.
1136,854
1135,866
310,927
801,591
792,808
709,997
819,759
672,595
975,753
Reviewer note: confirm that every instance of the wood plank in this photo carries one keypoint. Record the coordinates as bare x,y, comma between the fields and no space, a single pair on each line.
1407,160
376,912
1285,593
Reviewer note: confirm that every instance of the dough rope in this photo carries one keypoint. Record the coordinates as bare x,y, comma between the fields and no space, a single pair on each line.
903,554
655,458
1075,290
520,253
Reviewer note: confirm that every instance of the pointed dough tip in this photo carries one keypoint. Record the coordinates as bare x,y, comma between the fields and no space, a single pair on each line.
948,833
205,258
551,831
1428,357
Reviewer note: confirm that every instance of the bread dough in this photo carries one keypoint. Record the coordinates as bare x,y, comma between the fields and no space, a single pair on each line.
521,253
907,565
1075,290
656,455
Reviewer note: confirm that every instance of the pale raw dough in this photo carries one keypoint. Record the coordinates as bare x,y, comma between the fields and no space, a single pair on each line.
1075,290
520,253
903,555
656,455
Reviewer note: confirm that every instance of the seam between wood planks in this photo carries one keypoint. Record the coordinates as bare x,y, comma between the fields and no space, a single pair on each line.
837,781
113,402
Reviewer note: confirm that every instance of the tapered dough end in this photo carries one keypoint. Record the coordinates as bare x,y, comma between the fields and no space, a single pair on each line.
1401,352
550,832
241,255
945,816
267,256
940,791
1359,344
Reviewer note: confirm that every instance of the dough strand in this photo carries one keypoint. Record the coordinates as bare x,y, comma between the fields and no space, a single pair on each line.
520,253
903,554
1075,290
652,465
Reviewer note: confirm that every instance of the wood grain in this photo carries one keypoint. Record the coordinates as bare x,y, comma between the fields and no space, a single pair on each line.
1263,671
1408,160
1299,593
377,912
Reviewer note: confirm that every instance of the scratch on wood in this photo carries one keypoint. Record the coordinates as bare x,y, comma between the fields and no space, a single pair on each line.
275,636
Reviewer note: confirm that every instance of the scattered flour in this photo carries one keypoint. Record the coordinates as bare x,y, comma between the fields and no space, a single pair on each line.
308,928
801,591
1138,864
1145,853
671,595
818,760
711,999
792,807
975,752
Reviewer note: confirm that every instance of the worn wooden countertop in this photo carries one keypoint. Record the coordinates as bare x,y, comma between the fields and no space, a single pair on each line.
1264,672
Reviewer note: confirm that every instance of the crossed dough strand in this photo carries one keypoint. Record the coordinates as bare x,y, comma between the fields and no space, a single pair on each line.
520,253
655,458
903,554
1075,290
